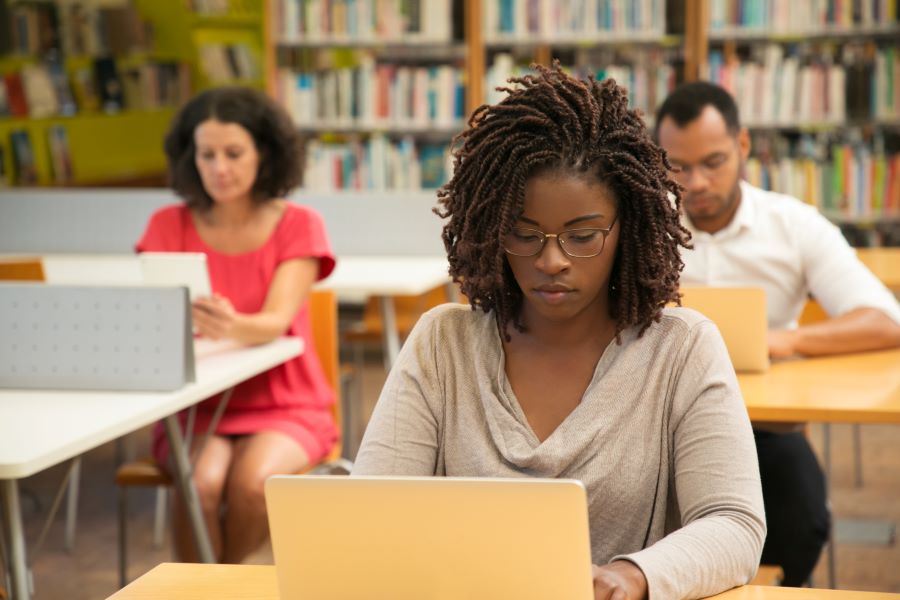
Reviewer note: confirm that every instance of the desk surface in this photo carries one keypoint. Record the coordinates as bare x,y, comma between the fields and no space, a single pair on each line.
41,428
357,277
850,388
884,263
180,581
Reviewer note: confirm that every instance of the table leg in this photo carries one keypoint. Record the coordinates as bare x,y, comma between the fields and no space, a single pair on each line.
391,337
186,487
12,525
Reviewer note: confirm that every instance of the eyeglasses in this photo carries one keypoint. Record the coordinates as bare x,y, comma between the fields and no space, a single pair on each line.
577,243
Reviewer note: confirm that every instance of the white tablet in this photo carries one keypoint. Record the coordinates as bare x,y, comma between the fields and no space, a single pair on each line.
175,269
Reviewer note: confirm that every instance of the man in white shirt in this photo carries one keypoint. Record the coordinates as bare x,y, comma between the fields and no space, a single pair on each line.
745,236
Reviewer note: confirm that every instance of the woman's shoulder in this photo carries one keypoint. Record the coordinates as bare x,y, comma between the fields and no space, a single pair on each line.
453,321
171,211
679,327
299,213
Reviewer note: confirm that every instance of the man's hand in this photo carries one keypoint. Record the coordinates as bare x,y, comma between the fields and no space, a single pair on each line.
619,580
781,343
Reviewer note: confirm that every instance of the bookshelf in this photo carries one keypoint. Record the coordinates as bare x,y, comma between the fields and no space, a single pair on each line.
639,44
96,82
376,86
816,83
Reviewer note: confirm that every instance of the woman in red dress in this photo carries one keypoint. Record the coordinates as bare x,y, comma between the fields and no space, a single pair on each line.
233,155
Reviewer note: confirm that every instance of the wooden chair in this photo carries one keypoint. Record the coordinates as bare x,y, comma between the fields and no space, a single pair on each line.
147,472
22,269
768,575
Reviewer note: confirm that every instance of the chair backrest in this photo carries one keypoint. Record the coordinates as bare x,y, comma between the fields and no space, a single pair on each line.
323,318
812,313
22,269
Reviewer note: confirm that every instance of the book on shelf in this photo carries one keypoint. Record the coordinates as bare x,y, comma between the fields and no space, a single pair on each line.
809,16
33,28
39,91
375,164
15,95
24,166
84,89
360,20
845,179
563,19
4,100
646,74
375,94
62,89
224,63
109,84
4,174
60,155
810,84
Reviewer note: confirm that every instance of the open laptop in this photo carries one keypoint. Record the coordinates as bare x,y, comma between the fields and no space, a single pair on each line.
177,269
740,315
408,538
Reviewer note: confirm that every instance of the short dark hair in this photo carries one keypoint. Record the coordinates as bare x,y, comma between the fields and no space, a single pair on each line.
554,122
688,100
276,138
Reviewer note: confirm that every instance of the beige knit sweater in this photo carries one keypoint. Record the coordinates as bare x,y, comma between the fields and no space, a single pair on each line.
661,440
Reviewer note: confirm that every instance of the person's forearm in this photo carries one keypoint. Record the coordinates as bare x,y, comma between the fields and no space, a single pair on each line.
857,331
259,328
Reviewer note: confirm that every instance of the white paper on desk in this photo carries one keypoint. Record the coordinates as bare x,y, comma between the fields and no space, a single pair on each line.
95,338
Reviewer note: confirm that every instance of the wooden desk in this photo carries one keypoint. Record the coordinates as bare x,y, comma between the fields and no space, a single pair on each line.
179,581
42,428
884,263
850,388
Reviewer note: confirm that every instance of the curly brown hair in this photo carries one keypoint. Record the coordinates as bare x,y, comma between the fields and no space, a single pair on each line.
275,135
554,122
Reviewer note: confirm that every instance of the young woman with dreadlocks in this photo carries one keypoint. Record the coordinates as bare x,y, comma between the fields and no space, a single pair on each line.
563,236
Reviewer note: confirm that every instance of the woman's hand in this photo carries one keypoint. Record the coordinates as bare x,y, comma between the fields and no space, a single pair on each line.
619,580
214,317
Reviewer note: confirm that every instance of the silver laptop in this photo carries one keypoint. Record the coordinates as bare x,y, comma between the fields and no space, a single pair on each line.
177,269
409,538
740,315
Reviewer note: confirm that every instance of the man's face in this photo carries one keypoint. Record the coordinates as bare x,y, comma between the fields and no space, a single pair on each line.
709,160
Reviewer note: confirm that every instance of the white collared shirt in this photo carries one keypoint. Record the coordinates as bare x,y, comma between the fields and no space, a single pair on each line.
779,243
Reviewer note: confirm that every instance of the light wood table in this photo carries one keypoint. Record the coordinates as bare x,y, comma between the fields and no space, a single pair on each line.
884,263
179,581
849,388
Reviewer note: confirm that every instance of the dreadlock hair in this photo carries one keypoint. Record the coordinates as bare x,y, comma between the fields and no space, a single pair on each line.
554,122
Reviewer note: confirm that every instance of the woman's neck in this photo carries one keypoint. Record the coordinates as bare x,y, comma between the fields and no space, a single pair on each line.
232,214
593,327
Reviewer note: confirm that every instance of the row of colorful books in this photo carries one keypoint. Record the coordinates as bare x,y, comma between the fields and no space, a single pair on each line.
47,89
812,85
321,20
854,183
647,76
551,19
24,171
807,16
375,94
376,164
75,28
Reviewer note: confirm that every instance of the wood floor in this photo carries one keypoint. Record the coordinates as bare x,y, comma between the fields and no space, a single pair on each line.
89,572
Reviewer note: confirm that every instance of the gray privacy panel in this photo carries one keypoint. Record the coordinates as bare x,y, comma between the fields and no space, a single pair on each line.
110,220
94,338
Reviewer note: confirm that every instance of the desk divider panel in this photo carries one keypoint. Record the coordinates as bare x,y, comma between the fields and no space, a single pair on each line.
95,338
